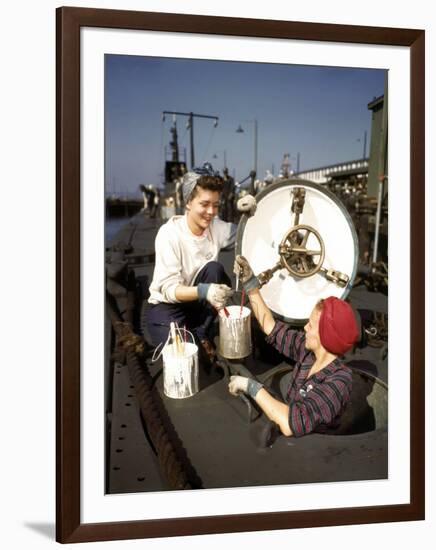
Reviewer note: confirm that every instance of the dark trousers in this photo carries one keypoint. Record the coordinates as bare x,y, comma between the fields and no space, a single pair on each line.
196,316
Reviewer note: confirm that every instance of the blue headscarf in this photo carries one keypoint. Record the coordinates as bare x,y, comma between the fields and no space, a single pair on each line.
190,179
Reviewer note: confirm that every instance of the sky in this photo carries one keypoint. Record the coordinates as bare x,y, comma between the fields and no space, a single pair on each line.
318,113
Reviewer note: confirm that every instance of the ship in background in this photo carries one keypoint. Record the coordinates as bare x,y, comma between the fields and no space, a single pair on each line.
174,167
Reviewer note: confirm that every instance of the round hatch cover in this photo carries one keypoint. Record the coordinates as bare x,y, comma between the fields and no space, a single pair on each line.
308,230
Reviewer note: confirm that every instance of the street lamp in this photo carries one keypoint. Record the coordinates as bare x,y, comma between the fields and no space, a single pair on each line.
240,130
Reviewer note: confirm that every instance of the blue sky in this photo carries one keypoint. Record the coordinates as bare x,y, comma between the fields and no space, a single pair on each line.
319,112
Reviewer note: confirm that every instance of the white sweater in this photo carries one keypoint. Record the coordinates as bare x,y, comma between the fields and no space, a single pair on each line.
180,255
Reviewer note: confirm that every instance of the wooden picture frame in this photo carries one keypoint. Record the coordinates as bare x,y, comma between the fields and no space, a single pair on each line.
69,23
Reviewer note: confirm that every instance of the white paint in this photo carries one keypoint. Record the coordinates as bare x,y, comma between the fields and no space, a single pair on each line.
235,332
180,370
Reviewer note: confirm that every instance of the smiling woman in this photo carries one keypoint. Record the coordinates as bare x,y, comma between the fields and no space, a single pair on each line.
189,286
203,204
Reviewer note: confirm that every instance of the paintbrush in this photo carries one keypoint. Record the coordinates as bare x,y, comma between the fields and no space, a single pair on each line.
179,344
242,302
224,309
173,337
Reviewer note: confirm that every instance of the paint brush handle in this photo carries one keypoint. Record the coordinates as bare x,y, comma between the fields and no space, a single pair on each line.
224,309
173,337
173,331
242,302
179,345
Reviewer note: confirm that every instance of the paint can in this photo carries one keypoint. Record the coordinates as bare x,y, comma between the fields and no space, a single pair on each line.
235,333
180,370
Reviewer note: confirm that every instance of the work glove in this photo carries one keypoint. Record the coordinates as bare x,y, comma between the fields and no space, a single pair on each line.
242,269
217,295
241,384
247,205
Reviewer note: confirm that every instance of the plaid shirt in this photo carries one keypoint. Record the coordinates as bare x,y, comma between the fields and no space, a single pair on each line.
315,404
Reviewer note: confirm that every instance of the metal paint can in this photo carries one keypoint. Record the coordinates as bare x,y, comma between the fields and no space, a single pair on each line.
235,333
180,371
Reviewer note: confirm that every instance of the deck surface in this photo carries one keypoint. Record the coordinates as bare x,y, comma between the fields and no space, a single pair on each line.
223,447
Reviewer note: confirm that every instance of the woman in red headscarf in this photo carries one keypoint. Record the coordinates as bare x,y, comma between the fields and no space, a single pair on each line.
320,384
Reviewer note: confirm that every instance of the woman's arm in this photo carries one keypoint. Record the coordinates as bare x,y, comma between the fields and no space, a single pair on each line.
275,410
261,311
251,285
216,294
185,293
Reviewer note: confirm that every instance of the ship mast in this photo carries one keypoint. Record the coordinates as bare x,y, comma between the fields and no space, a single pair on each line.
190,126
174,143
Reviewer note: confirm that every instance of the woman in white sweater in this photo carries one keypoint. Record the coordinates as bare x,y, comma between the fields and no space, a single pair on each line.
189,286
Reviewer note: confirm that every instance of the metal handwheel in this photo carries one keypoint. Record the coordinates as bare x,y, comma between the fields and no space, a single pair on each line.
296,257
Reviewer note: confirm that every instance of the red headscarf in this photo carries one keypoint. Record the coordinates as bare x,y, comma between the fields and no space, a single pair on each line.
338,328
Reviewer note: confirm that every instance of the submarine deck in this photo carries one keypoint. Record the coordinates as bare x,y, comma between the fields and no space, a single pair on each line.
212,427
